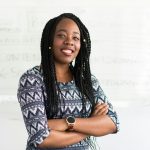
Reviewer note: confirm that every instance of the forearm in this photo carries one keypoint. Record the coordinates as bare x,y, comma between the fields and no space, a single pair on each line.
58,139
57,124
95,126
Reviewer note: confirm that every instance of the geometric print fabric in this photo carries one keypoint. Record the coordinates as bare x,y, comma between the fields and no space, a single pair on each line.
31,94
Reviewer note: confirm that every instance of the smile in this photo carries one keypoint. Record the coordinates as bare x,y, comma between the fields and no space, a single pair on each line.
67,52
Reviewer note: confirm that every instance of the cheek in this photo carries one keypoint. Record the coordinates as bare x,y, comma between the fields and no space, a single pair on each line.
78,46
56,43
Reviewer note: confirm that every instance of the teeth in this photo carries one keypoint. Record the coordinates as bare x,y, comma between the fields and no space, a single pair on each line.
67,51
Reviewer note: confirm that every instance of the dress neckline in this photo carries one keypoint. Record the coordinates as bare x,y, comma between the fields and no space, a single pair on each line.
58,82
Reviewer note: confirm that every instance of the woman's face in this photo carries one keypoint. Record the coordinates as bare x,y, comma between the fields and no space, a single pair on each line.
66,43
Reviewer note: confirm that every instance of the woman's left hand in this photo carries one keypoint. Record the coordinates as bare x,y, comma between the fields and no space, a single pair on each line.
100,109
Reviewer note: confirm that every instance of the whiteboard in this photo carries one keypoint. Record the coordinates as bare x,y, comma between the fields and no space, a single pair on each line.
120,37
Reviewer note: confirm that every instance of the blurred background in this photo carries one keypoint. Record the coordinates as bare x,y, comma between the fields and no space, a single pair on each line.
120,59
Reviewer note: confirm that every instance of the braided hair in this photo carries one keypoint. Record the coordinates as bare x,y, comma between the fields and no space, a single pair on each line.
80,69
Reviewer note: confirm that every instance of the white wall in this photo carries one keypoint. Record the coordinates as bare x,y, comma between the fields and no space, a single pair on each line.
120,36
120,33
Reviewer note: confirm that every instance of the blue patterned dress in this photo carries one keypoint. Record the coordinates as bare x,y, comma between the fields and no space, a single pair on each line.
31,93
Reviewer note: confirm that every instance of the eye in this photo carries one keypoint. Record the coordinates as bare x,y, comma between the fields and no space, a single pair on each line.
76,38
61,36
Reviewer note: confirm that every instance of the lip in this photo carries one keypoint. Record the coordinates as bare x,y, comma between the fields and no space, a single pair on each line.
68,48
67,51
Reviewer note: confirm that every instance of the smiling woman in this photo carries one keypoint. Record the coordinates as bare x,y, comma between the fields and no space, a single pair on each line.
66,44
62,104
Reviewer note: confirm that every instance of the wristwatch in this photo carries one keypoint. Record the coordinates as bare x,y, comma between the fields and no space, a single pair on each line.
70,120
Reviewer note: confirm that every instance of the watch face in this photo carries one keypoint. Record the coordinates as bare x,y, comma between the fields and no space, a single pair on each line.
71,119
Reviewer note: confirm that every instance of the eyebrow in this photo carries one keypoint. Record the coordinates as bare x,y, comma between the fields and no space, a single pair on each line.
64,30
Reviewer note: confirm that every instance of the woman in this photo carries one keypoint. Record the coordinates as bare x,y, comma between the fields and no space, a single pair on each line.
62,104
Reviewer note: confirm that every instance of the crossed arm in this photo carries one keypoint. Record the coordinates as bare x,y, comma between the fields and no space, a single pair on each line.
98,124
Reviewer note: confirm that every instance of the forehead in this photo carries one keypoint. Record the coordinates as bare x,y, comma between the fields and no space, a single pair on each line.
67,24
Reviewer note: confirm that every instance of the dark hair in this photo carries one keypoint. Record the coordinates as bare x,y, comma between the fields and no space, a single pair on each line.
81,69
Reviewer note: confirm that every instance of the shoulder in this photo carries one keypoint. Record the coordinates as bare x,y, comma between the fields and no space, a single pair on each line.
96,84
33,76
95,81
35,71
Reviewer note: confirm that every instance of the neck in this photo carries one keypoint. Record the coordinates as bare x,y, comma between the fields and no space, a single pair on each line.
63,73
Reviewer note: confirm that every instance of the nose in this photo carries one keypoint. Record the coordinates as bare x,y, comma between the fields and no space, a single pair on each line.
68,42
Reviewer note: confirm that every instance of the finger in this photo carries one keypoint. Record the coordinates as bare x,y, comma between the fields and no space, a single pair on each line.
100,106
104,110
95,111
97,105
100,109
102,114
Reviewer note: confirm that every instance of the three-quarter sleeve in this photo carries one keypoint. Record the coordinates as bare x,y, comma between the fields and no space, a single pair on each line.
30,97
100,97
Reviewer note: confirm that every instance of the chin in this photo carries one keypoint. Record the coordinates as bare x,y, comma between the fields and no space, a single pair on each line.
64,61
67,61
